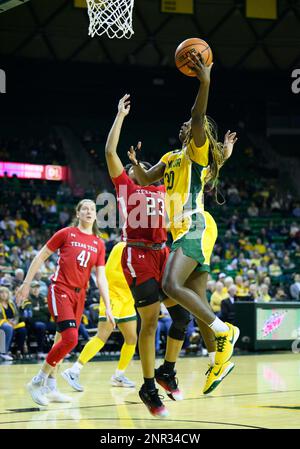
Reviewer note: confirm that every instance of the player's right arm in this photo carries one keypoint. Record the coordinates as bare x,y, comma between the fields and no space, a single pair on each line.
114,164
145,177
23,292
198,111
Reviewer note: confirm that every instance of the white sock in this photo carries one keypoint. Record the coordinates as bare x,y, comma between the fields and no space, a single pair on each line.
76,367
218,326
40,377
212,356
51,383
119,372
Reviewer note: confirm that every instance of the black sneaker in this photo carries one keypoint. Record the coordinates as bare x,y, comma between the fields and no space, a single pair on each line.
169,383
152,401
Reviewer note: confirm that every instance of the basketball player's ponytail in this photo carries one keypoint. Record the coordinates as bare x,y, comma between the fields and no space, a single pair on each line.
75,222
216,156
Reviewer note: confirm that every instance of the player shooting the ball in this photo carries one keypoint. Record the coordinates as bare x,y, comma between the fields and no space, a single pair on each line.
186,172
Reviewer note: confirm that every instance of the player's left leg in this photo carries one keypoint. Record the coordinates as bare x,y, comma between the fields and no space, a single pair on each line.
198,282
54,395
38,387
67,316
129,332
165,375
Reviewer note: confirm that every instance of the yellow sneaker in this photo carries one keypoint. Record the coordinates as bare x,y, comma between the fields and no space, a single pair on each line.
215,374
225,343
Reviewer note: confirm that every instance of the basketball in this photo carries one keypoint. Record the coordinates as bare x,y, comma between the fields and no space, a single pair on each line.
188,47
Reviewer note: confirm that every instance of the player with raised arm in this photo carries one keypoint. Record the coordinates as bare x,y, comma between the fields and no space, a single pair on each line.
194,231
80,249
143,262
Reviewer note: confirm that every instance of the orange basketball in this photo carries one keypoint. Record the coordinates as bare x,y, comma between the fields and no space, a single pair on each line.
188,47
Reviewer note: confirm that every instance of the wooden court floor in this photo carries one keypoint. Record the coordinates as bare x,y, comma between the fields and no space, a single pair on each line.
263,391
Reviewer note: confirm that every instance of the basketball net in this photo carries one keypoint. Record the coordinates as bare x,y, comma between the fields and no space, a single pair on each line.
113,17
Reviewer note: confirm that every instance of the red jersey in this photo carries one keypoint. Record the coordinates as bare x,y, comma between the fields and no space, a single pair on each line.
78,254
142,210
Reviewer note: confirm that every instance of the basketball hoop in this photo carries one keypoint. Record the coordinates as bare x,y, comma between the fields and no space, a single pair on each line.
113,17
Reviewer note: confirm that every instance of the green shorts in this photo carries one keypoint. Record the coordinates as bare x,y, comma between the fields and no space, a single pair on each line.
198,242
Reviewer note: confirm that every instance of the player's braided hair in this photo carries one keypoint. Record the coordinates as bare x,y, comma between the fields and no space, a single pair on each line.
75,222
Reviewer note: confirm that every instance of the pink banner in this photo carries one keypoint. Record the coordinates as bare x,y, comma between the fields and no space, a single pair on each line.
33,171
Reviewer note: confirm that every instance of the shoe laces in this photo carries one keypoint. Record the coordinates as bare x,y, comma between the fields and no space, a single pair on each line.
173,381
209,371
45,390
221,343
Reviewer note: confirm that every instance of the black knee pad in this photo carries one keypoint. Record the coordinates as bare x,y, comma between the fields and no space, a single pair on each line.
180,321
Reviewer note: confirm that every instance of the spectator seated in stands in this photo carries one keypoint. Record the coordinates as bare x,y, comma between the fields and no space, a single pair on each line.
252,210
245,227
275,271
210,288
253,292
280,295
263,268
163,326
217,297
287,266
10,324
260,247
228,281
37,317
263,294
227,306
5,265
233,196
242,290
251,276
295,288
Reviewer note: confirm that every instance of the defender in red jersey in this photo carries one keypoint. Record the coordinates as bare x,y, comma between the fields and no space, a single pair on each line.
143,262
142,229
80,249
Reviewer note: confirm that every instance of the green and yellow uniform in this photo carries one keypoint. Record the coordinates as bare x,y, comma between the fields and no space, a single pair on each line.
122,302
193,229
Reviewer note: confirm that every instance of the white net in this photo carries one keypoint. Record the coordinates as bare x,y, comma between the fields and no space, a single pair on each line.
113,17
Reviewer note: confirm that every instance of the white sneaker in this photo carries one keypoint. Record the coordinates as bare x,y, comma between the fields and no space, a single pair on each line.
57,396
122,381
38,392
72,379
6,357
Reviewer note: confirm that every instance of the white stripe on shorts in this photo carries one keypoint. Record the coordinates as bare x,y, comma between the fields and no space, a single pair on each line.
53,301
129,258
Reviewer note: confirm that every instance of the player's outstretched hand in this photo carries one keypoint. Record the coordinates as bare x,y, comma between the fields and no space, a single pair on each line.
132,153
109,317
229,141
202,71
22,293
124,105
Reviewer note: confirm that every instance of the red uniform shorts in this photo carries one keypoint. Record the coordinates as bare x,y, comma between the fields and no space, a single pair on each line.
142,264
66,304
